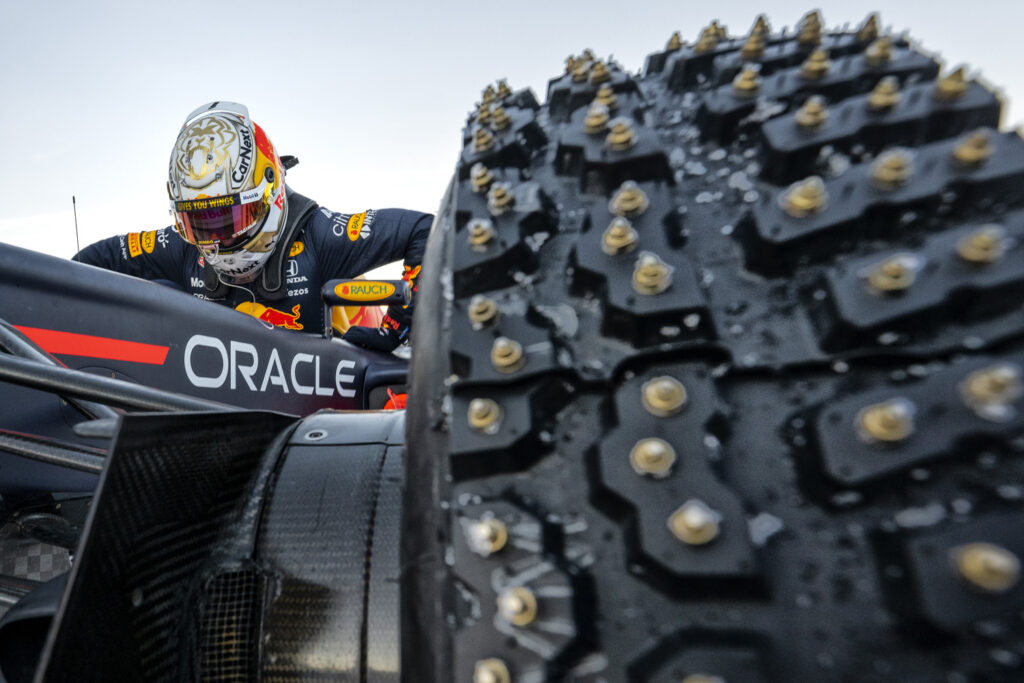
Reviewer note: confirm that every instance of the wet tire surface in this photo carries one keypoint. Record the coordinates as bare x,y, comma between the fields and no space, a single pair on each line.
725,374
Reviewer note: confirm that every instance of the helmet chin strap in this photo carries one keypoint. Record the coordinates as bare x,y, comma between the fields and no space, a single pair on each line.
212,252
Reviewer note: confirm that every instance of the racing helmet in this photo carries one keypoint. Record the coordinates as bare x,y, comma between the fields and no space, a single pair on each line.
226,185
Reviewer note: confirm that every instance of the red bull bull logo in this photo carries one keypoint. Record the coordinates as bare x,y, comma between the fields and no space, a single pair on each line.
289,321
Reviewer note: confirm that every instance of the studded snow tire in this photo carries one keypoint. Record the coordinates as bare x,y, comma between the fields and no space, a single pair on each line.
719,374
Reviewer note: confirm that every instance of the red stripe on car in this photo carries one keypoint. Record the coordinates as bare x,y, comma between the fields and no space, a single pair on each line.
88,346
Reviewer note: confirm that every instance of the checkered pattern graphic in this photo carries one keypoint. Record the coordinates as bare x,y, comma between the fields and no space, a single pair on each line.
26,558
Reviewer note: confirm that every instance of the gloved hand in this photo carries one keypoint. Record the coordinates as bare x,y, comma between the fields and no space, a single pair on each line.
392,332
375,338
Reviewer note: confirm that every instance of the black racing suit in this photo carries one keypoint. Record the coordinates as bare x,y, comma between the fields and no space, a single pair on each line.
330,245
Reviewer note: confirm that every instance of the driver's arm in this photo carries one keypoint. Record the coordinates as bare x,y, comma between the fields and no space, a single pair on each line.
351,244
152,255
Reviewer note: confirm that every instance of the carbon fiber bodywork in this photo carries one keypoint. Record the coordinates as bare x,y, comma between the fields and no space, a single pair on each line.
238,546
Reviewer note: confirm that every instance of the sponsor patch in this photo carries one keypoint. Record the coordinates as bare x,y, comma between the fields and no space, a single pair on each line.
250,196
355,226
365,291
238,365
296,249
273,316
241,170
134,244
209,203
148,240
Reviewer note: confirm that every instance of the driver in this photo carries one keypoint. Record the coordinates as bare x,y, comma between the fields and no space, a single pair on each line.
260,247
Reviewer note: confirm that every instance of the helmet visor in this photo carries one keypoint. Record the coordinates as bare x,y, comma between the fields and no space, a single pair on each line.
227,222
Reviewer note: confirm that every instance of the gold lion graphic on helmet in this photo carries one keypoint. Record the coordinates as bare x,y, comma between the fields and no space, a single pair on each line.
205,149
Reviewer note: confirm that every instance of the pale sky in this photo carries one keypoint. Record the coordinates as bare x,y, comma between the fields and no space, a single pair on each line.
371,96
